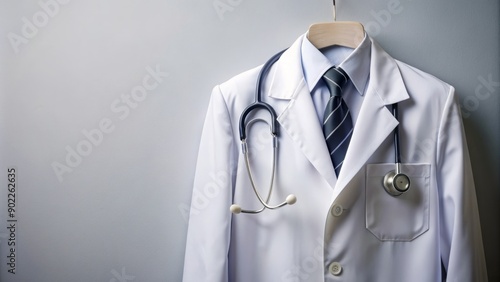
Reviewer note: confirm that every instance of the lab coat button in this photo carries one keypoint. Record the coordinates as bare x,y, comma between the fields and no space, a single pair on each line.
335,268
337,210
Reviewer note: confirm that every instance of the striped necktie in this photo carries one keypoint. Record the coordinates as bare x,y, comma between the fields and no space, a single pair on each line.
337,122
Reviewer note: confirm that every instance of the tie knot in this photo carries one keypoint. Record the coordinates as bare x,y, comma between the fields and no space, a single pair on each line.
335,79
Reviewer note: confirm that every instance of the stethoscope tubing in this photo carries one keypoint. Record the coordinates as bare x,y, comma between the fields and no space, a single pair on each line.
258,100
397,153
265,203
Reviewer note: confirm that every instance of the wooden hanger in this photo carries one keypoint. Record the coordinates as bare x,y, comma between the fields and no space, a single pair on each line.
348,34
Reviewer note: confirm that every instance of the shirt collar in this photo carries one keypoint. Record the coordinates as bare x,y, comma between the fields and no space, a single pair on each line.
356,63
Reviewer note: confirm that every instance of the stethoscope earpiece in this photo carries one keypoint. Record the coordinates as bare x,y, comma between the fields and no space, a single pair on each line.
291,199
236,209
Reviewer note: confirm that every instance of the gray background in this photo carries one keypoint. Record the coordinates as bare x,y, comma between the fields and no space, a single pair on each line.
119,213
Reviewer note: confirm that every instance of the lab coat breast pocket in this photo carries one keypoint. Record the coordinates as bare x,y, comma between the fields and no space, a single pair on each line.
400,218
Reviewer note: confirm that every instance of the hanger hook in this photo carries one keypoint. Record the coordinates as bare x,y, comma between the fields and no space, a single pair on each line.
334,11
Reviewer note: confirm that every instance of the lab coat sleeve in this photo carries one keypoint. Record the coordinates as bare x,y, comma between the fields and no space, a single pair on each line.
206,256
461,245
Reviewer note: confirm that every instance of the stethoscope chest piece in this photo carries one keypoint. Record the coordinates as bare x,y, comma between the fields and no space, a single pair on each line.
396,183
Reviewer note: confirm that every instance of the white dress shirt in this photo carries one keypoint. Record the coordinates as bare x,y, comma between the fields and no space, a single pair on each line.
355,62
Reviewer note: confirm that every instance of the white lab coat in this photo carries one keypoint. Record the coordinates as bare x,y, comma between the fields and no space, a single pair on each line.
350,222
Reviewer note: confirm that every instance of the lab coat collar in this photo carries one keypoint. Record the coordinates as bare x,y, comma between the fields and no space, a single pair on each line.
385,78
356,63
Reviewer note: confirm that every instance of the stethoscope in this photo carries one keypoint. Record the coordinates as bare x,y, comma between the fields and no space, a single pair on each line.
395,182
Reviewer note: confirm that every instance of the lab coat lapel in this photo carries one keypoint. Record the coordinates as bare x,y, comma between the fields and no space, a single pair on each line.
298,119
375,121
